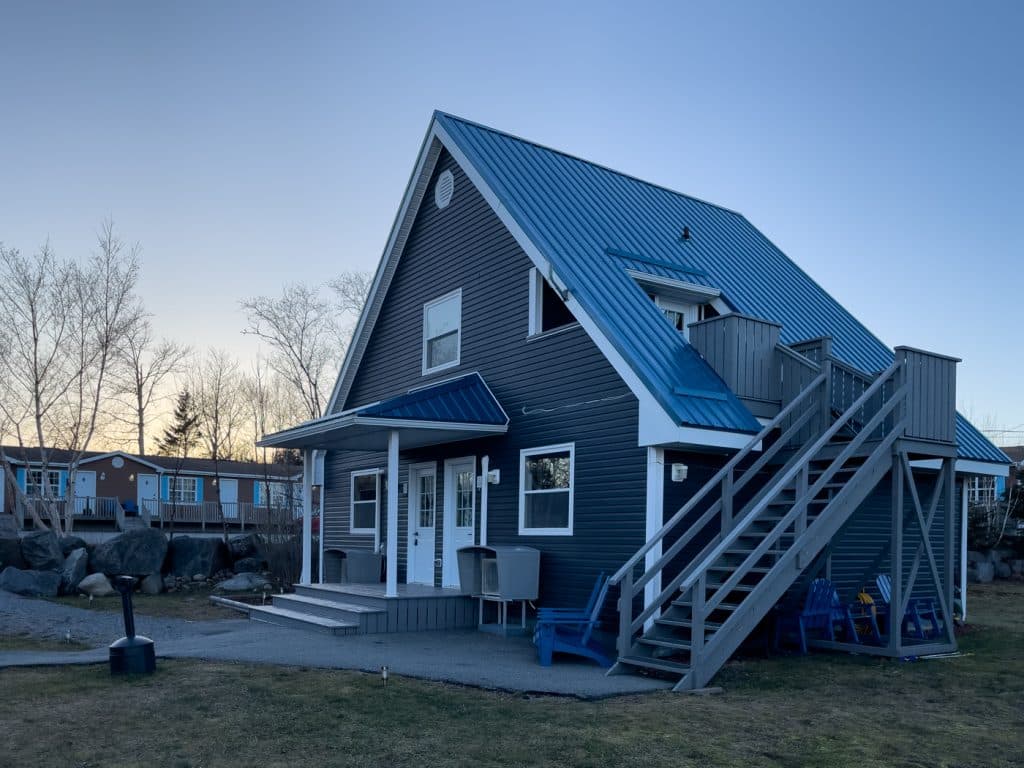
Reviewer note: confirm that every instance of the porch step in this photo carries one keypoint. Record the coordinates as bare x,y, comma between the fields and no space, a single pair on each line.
282,617
709,626
329,609
660,665
661,642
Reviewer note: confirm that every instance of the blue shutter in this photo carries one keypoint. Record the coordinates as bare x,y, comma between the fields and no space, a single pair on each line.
199,489
164,487
62,484
255,493
20,473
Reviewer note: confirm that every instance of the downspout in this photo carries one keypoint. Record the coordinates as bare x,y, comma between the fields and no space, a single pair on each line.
485,464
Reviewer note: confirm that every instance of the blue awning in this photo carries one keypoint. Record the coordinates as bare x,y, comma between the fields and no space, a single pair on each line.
459,409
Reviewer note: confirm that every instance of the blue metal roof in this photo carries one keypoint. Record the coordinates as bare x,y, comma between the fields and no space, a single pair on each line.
465,400
593,223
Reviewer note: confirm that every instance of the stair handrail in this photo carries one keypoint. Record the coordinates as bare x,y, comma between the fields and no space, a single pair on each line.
687,577
716,480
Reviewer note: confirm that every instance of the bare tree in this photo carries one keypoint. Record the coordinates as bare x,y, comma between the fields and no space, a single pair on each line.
307,334
216,385
271,404
147,365
63,323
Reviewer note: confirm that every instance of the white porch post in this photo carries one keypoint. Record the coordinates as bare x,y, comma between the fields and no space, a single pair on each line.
485,465
307,516
391,588
655,519
963,549
319,479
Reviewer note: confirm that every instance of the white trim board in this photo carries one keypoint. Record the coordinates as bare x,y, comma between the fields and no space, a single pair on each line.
966,467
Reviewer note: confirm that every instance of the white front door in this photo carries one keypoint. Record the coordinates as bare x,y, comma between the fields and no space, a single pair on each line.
229,497
85,492
148,495
459,514
422,516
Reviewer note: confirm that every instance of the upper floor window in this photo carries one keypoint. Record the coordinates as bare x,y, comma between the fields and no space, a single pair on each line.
547,310
34,483
442,332
682,314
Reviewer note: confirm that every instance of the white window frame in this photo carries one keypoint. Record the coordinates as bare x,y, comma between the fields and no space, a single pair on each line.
691,313
174,490
34,489
524,454
352,503
456,294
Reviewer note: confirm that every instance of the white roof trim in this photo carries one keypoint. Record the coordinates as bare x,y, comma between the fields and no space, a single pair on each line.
967,467
122,454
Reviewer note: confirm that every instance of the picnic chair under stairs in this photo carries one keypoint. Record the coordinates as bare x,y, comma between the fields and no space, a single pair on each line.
570,630
918,608
822,612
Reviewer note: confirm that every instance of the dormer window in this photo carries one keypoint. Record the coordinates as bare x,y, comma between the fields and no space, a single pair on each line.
682,314
442,332
547,310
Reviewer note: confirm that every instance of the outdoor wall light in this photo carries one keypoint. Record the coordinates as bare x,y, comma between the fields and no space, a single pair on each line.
103,475
131,478
215,482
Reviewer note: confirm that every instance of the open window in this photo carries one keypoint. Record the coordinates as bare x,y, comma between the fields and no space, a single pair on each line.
681,314
681,303
547,310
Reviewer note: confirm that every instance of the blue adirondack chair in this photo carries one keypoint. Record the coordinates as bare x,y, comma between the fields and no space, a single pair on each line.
821,613
917,609
561,630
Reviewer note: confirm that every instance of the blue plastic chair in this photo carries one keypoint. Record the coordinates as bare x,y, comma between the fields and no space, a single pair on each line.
584,614
571,631
918,608
821,613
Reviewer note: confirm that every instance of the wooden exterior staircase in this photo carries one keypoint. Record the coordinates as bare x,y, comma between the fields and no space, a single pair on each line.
697,589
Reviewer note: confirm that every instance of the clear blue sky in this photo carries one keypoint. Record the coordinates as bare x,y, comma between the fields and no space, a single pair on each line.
879,144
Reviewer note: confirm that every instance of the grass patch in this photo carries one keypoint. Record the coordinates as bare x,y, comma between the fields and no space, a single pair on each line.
194,606
31,643
821,710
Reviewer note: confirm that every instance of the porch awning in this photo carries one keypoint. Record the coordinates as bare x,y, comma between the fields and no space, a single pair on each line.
459,409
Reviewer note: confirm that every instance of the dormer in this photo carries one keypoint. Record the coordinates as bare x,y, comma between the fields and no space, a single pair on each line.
682,303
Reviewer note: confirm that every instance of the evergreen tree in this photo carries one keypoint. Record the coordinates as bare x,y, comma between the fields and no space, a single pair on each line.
183,434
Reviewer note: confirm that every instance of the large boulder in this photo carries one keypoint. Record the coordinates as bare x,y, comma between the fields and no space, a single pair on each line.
192,556
42,551
244,582
96,585
10,551
152,584
138,552
249,565
74,570
8,525
984,572
69,544
30,583
246,545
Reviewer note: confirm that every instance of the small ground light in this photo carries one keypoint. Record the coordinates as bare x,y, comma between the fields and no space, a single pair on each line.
384,675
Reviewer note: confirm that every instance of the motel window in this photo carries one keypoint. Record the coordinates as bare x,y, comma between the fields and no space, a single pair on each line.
546,490
34,483
182,490
442,332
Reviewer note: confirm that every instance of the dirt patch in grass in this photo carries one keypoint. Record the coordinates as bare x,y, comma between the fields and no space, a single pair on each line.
194,605
820,710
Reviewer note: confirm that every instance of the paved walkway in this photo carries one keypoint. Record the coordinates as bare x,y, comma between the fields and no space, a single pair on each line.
466,657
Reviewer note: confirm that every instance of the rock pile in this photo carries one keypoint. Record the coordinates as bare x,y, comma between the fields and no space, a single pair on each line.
985,566
42,564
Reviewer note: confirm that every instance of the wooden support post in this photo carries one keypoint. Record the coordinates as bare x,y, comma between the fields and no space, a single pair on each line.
727,484
896,558
626,613
391,587
697,623
949,504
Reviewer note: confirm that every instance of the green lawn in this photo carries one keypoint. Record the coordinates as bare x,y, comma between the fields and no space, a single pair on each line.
194,605
823,710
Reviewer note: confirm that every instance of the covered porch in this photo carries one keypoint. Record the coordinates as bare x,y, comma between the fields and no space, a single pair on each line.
452,411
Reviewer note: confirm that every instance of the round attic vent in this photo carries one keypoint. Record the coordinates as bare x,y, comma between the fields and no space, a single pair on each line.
117,462
443,189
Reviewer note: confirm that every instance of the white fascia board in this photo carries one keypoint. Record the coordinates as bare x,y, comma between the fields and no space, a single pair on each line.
364,325
687,290
967,467
123,455
658,429
378,421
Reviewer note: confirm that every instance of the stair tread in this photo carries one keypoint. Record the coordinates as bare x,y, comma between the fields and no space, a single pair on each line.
731,568
663,665
308,618
662,642
323,603
687,623
719,607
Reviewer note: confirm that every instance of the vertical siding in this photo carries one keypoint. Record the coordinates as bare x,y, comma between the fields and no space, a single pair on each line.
742,351
556,388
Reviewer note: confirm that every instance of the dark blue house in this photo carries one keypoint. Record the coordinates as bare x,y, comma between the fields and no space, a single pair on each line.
634,381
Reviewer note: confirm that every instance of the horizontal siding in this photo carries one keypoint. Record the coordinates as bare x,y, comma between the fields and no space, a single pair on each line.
556,388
